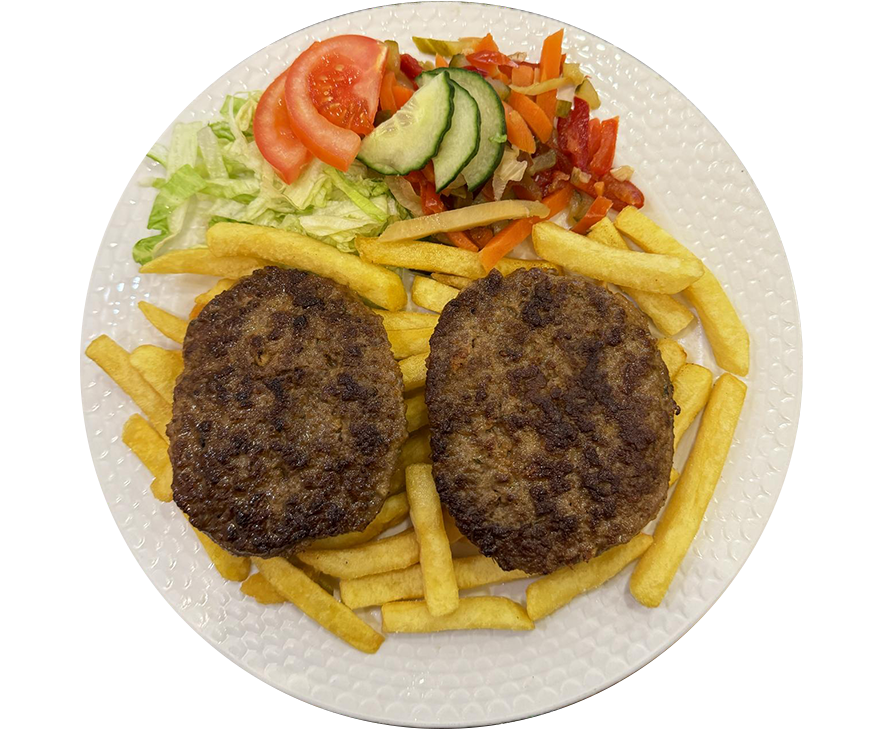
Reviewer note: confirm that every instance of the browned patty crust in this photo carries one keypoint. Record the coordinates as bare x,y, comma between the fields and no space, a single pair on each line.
551,418
289,414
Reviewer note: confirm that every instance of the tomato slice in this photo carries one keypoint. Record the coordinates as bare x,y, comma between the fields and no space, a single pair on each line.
332,93
273,135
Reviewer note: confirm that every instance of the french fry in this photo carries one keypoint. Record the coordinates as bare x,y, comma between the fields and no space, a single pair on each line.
477,612
673,476
325,581
691,389
459,282
380,286
257,587
673,354
678,667
380,556
162,618
416,450
393,512
161,484
205,297
396,321
316,603
431,294
406,584
435,557
116,362
152,450
416,412
452,531
680,522
463,218
553,591
634,269
160,367
725,331
405,343
668,314
435,257
172,326
93,495
619,697
231,567
203,261
414,370
93,636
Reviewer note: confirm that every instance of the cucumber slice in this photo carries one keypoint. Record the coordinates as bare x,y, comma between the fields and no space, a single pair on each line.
461,141
493,129
413,135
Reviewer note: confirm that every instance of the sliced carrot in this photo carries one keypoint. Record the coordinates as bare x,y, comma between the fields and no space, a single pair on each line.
481,235
440,62
386,93
558,201
518,133
522,76
550,68
487,44
462,240
401,94
596,212
535,117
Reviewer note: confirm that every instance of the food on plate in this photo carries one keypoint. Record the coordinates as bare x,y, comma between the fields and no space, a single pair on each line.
680,663
261,590
152,450
401,585
377,556
160,367
116,362
673,355
202,299
645,272
476,612
396,321
274,136
380,286
232,567
170,325
683,515
162,618
552,592
459,282
692,386
432,295
393,512
414,370
535,455
416,450
204,262
416,412
288,417
435,556
296,587
405,343
724,329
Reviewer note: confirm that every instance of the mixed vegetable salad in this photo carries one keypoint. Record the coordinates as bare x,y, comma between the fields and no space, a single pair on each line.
356,135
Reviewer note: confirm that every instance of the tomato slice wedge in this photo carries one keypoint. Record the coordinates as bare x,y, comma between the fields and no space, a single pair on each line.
273,135
332,93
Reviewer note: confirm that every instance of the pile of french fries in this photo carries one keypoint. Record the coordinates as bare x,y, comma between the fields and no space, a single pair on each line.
416,575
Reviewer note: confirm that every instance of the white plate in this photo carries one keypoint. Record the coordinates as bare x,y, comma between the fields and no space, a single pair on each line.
695,186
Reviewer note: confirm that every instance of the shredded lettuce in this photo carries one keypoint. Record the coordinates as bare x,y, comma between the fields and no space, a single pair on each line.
511,168
214,172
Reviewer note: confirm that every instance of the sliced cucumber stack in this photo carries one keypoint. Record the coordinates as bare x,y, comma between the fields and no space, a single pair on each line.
413,135
461,142
493,129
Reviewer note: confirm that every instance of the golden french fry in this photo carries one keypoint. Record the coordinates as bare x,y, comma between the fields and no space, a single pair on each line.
406,584
414,370
160,367
619,697
93,636
436,257
375,283
673,354
93,495
463,218
416,450
393,512
645,272
203,261
325,581
477,612
395,321
202,299
724,329
673,476
316,603
459,282
116,362
680,522
678,667
441,590
691,389
261,590
231,567
134,581
430,294
668,314
161,484
416,412
452,531
173,327
380,556
405,343
553,591
146,443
